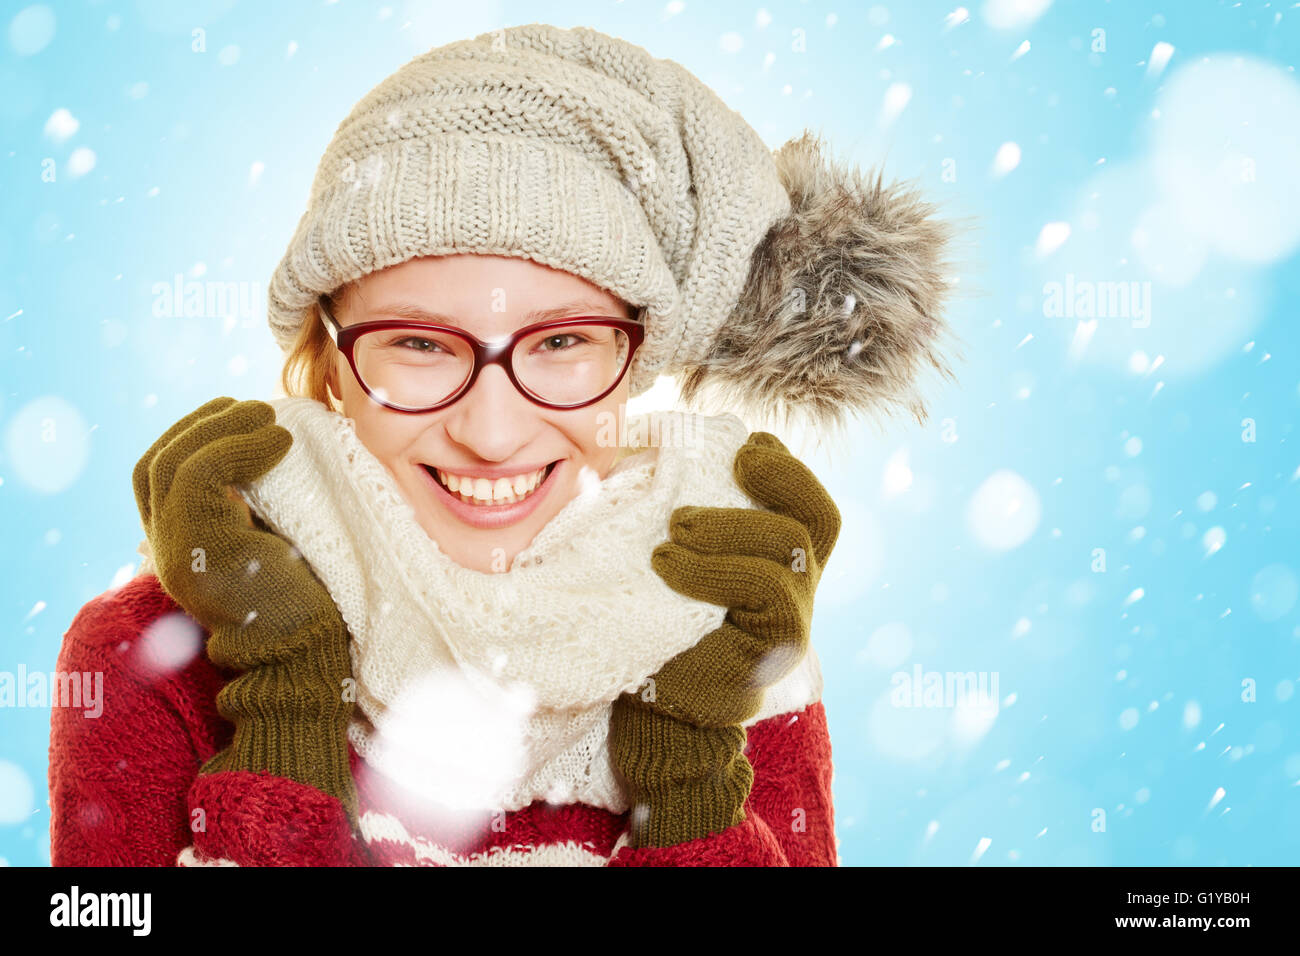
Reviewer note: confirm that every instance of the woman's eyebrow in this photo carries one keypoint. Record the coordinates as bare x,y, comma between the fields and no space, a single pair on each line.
416,313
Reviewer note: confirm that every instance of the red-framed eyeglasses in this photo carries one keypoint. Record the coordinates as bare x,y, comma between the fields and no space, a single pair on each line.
420,367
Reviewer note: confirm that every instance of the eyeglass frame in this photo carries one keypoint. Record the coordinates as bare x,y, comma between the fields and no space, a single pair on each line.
485,353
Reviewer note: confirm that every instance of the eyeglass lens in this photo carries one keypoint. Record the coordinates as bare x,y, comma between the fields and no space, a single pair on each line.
419,368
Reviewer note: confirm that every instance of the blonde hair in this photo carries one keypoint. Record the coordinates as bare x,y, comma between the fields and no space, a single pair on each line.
311,366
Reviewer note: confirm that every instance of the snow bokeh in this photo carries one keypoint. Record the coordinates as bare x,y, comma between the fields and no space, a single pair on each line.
17,796
168,645
31,29
1004,511
1187,224
47,443
1224,154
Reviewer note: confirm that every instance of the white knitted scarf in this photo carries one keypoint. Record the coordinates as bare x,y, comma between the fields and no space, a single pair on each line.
483,690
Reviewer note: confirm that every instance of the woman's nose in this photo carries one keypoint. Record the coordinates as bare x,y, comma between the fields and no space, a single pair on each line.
492,419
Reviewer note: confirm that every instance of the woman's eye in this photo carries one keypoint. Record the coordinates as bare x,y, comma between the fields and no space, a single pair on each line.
417,344
556,342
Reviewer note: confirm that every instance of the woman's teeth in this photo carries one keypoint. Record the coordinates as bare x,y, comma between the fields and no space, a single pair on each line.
488,491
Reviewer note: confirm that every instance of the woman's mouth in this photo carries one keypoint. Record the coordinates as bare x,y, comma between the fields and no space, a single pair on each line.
487,492
491,502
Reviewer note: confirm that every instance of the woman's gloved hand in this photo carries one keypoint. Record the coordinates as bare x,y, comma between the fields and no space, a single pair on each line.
267,613
678,742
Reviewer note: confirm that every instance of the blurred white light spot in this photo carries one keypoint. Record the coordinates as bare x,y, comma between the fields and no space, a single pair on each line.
16,793
1223,156
898,475
588,481
1213,540
973,717
1013,14
459,745
169,644
1006,159
1050,238
1159,58
1004,511
61,125
1133,447
1273,592
1128,719
731,42
47,443
1172,252
1083,332
81,161
896,98
31,29
121,576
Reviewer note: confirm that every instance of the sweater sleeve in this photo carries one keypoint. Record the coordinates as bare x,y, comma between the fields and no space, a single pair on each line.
119,769
789,819
258,819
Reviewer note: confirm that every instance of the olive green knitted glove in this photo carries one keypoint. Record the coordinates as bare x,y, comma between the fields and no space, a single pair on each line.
267,613
678,742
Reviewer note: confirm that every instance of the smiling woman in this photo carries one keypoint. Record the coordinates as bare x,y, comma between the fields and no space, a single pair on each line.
495,435
449,620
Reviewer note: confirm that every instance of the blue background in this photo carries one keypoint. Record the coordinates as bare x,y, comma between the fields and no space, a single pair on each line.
1104,524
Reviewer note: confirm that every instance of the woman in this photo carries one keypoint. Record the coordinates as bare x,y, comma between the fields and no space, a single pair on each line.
441,619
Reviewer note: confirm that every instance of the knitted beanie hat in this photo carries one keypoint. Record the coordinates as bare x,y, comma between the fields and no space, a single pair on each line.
782,281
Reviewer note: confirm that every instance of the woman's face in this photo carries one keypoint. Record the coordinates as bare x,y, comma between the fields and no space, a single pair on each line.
492,431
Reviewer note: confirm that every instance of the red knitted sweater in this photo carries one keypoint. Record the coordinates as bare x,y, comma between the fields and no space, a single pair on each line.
125,788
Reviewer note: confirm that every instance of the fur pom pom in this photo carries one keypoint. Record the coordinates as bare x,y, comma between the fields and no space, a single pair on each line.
843,304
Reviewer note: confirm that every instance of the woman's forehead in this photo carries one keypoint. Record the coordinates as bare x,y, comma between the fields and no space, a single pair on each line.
471,291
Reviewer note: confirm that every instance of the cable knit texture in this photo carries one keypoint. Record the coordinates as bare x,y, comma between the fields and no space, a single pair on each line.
575,149
238,809
530,660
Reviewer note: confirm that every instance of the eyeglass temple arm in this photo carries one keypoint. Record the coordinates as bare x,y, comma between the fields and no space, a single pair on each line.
331,326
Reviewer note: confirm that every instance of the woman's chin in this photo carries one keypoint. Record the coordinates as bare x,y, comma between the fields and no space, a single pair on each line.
489,546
